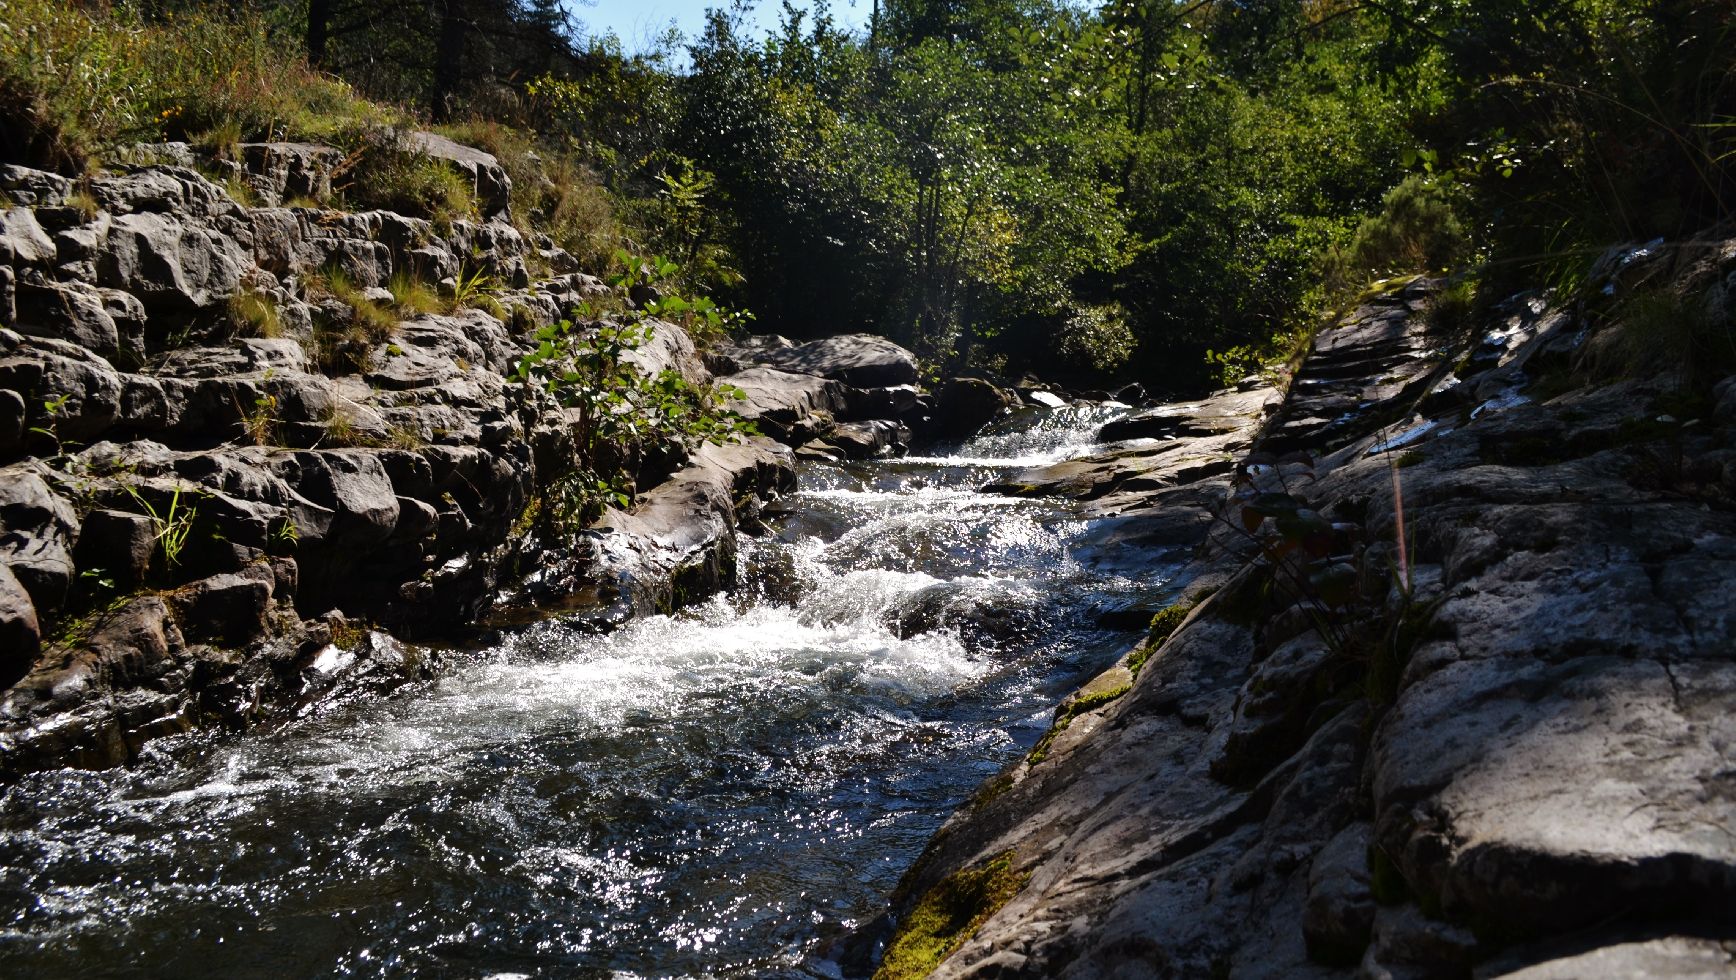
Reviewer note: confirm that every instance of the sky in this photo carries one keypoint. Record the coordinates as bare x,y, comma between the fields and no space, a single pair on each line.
639,22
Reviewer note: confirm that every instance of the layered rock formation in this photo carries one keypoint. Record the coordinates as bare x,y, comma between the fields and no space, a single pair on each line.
233,442
1450,693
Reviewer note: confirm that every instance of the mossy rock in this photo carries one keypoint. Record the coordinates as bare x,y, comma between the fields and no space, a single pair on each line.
1085,701
950,913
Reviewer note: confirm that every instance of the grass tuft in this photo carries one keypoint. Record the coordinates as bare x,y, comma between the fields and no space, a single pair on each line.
255,314
413,297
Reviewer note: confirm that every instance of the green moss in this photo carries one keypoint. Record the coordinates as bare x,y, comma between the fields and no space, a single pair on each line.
1409,458
1139,656
1167,620
1072,710
949,914
989,792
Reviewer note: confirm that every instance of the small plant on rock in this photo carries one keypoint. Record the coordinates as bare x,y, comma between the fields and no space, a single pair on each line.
171,526
472,287
51,409
255,314
412,296
260,422
617,406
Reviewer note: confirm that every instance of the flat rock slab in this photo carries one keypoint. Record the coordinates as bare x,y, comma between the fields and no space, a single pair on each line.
1550,754
789,407
862,360
1197,443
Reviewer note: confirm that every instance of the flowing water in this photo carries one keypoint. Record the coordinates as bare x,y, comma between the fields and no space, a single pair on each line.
720,793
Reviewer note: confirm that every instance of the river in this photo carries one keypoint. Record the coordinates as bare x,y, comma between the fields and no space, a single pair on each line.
725,792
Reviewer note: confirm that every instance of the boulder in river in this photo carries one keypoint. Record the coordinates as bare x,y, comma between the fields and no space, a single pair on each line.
964,405
862,360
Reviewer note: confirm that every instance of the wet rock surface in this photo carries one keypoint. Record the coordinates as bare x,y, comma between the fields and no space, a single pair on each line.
1513,757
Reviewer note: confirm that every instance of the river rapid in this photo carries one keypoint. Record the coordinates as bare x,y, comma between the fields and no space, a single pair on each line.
726,792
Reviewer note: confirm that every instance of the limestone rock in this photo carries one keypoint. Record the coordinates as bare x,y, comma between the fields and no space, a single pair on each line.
13,414
22,240
789,407
1667,958
228,609
107,322
37,531
860,360
1411,946
1338,917
169,263
118,544
281,172
67,390
20,632
33,188
487,177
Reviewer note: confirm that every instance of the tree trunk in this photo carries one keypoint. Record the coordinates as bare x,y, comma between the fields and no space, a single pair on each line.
448,59
319,23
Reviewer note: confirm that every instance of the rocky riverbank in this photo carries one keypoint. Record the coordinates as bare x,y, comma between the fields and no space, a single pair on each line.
1450,693
247,451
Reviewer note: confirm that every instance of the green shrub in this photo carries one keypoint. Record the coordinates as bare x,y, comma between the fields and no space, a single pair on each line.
1418,230
615,407
1095,339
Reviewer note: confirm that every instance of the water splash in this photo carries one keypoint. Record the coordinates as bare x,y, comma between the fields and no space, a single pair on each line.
719,792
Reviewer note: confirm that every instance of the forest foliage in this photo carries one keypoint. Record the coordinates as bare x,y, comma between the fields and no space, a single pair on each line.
1085,190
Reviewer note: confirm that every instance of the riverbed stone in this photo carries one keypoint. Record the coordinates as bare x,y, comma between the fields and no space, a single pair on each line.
1545,752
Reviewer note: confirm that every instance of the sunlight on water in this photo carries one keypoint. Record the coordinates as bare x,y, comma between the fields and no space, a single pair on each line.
724,792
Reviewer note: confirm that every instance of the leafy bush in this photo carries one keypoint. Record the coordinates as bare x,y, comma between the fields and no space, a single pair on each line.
1418,229
1095,339
617,407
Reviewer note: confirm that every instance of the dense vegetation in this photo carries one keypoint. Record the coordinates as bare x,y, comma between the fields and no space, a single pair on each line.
1086,190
